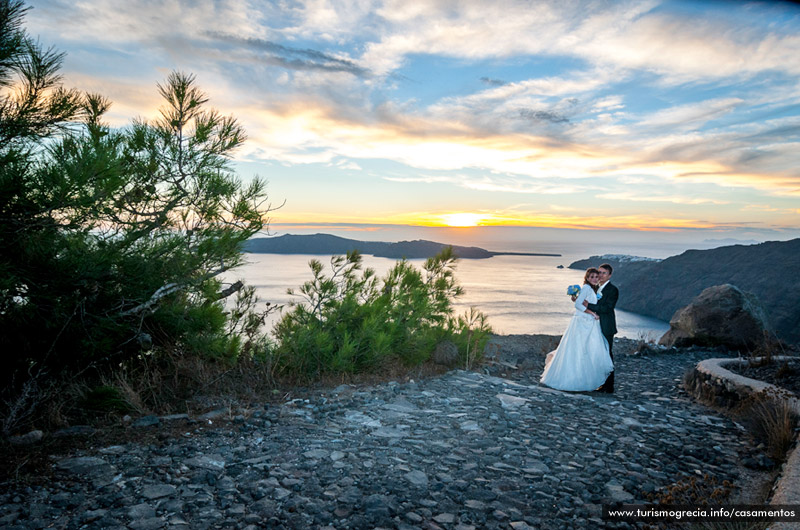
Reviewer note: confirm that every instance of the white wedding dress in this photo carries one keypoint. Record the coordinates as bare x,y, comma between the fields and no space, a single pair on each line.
581,362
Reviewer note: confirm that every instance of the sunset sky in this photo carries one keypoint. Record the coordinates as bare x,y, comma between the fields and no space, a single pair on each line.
674,117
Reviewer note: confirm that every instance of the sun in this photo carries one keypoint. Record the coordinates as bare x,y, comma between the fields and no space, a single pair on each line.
462,219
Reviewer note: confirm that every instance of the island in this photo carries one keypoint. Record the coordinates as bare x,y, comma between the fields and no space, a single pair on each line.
326,244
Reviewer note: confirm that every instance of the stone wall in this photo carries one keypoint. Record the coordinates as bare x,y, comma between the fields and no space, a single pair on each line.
714,384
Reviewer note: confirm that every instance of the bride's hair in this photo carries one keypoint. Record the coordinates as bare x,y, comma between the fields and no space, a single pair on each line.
590,270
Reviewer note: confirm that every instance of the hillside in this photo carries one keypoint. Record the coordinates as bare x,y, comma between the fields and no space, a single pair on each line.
659,288
326,244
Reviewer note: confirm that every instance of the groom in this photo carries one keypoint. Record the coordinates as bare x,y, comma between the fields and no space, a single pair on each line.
607,295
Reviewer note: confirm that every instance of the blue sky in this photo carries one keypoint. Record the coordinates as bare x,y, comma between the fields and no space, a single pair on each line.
673,118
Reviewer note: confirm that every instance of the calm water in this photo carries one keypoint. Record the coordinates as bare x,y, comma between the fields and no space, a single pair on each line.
519,294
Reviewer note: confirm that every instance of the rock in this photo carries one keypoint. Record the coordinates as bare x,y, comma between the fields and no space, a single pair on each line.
174,417
445,518
721,315
75,430
417,478
470,425
617,492
146,421
152,523
93,515
316,454
213,415
157,491
27,439
141,511
210,462
377,506
445,354
112,450
83,465
511,402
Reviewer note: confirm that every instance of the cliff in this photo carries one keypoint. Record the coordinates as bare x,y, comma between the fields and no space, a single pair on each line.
659,288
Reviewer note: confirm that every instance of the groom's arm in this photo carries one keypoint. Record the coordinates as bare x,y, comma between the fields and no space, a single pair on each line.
606,304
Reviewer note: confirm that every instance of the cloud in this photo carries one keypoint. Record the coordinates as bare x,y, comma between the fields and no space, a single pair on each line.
543,115
500,184
629,92
674,199
493,82
608,103
294,58
676,44
691,116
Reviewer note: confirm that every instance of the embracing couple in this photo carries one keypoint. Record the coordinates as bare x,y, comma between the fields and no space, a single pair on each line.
583,359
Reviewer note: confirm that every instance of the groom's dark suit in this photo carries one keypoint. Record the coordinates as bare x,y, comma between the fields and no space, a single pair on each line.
608,324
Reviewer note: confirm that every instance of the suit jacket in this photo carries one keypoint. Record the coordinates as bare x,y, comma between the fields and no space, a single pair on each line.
605,309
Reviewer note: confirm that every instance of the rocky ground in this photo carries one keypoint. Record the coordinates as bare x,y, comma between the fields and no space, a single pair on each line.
468,449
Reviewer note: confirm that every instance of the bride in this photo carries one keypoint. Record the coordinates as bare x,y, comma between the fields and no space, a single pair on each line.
581,362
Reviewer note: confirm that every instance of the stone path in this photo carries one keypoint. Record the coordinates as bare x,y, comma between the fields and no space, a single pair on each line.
464,450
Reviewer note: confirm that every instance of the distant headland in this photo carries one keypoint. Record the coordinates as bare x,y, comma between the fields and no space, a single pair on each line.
326,244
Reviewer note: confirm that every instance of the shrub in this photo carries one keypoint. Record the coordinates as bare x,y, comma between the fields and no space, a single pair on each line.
350,321
470,332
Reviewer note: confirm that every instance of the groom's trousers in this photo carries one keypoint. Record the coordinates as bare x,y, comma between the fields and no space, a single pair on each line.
608,386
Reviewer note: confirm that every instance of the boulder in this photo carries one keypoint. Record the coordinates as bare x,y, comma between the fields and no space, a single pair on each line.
722,315
445,354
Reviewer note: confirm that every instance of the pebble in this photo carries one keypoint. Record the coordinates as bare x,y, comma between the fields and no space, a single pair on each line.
460,451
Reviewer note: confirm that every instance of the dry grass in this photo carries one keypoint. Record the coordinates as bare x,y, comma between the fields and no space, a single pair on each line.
696,491
173,383
768,347
785,371
191,385
771,421
43,404
388,370
699,491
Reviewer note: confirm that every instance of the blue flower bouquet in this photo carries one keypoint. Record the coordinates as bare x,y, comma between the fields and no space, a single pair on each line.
573,290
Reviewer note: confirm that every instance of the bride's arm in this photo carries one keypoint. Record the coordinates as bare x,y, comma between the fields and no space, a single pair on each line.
581,297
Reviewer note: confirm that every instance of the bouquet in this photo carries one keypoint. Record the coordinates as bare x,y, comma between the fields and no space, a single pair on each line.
573,290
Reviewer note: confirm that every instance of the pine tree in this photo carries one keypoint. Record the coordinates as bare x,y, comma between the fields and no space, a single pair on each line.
113,241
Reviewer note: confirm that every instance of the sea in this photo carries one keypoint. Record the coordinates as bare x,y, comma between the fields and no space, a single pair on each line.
519,294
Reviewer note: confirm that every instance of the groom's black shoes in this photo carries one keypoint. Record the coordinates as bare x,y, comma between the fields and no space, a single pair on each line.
608,386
